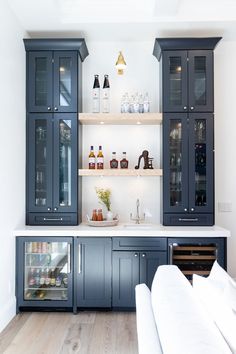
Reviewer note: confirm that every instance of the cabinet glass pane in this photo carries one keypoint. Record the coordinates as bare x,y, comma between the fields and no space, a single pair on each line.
40,162
65,67
200,162
175,80
46,270
65,162
175,163
40,81
200,80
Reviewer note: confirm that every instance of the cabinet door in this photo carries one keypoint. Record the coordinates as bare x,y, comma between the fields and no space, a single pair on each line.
39,87
44,271
125,277
201,163
200,81
149,262
175,162
39,163
65,163
175,81
65,81
93,272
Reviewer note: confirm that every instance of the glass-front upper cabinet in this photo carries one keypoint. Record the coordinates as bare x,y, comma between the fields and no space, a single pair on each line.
201,160
188,81
52,80
44,271
175,163
65,162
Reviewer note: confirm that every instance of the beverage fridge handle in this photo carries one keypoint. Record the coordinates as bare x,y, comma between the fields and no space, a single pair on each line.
170,253
68,258
79,258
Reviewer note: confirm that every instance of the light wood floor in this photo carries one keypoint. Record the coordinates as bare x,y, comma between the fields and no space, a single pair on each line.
64,333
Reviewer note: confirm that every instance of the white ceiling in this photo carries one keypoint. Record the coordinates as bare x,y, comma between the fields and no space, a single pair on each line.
116,20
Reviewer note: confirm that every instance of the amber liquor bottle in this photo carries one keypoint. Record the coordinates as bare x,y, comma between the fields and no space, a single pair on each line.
100,159
92,159
113,162
124,162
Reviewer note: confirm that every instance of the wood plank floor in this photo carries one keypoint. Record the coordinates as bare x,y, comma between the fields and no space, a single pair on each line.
65,333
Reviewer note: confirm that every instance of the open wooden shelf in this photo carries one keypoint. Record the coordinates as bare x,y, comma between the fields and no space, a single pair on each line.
120,118
120,172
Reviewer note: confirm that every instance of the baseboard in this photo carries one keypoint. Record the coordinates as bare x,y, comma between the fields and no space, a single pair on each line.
7,312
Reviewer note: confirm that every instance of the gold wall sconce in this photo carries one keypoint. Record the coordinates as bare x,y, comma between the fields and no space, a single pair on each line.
120,64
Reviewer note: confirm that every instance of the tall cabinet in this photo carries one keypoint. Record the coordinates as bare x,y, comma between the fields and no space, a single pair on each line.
187,103
53,100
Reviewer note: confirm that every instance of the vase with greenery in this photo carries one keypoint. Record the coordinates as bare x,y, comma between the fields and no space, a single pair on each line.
104,196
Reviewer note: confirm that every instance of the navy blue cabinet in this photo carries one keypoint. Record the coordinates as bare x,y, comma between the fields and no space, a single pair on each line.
52,196
93,272
53,101
188,155
187,103
44,272
134,261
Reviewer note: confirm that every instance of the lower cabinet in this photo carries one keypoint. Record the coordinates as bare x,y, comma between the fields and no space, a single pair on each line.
92,272
135,261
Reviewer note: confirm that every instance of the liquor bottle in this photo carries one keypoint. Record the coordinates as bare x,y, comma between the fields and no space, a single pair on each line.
96,94
106,95
92,159
42,277
124,162
113,162
31,279
53,279
58,281
47,278
100,159
65,280
37,278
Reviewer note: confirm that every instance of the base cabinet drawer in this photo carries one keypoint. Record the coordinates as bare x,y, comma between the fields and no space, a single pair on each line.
53,219
188,219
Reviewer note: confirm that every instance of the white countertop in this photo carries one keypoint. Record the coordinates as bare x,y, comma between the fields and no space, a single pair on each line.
145,230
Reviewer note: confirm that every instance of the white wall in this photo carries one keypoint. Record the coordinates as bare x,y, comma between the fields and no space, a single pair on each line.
225,141
12,152
141,75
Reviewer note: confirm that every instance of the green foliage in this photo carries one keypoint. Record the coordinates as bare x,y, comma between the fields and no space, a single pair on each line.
104,197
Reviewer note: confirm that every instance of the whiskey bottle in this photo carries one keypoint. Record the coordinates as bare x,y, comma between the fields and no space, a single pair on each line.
113,162
106,95
92,159
96,95
124,162
100,159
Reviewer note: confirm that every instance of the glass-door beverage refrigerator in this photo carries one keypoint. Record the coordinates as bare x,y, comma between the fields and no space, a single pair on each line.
44,272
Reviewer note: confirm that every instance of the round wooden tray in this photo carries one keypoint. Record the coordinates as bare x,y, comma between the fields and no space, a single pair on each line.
103,223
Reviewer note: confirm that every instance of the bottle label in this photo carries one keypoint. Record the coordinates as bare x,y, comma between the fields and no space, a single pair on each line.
92,162
100,161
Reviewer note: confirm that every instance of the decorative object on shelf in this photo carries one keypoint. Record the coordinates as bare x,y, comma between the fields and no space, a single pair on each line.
120,64
104,196
96,95
137,218
94,215
124,163
136,103
147,160
100,216
106,95
114,161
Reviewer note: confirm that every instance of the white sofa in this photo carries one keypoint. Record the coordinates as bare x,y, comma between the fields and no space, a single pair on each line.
172,318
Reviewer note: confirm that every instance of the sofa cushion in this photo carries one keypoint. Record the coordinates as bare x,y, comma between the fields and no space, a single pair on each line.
229,294
183,325
218,307
148,340
218,276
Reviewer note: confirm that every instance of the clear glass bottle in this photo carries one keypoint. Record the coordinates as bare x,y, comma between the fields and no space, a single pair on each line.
113,161
124,163
92,159
136,103
100,159
96,95
146,103
140,103
106,95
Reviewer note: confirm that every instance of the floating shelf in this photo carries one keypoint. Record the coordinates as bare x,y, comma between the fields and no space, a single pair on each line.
120,172
120,118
